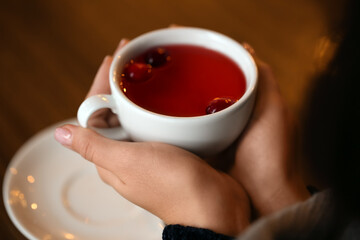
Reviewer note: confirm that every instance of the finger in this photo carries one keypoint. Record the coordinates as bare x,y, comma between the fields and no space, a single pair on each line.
114,156
100,86
104,118
112,120
267,83
249,48
173,25
265,73
122,43
100,119
101,82
268,88
268,98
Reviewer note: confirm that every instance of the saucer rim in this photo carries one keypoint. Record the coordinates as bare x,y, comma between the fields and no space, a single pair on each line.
24,149
20,157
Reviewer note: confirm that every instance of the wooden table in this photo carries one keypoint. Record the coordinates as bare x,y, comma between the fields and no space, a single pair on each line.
50,51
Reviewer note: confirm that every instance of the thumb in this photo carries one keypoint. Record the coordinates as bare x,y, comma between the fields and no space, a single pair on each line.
89,144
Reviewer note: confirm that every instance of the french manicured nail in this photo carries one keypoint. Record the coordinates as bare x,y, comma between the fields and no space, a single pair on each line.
63,136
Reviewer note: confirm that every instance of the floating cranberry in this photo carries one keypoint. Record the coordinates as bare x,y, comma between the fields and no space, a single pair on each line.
218,104
137,72
157,57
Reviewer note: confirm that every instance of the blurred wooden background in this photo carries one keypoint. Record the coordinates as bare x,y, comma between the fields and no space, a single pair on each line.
50,51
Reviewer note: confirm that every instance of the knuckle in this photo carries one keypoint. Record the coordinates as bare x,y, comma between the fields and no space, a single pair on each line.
86,149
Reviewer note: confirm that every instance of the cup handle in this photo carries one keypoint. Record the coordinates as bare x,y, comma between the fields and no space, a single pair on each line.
95,103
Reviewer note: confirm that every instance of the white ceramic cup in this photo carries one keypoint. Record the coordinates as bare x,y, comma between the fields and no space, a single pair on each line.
203,135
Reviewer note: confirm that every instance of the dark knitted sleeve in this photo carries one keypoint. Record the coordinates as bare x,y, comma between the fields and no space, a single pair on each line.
178,232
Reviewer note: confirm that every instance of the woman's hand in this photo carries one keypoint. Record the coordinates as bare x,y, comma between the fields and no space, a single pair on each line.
264,163
173,184
104,118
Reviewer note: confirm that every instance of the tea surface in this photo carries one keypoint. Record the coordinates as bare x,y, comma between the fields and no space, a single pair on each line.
182,80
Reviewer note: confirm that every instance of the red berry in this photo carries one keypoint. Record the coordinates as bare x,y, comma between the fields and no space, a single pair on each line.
137,72
157,57
218,104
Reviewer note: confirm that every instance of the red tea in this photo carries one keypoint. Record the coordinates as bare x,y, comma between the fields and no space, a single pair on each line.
182,80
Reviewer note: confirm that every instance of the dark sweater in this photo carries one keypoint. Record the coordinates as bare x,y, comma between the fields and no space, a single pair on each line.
312,219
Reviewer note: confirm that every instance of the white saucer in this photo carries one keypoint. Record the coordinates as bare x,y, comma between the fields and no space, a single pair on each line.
51,192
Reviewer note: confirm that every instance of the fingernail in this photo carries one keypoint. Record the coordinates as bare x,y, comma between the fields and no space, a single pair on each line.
63,136
123,42
106,58
173,25
249,48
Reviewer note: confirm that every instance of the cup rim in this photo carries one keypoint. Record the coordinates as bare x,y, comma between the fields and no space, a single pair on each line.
114,82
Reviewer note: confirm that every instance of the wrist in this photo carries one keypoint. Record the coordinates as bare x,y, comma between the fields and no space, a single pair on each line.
274,196
224,210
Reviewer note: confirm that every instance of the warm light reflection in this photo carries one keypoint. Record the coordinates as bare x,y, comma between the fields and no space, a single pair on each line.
15,193
17,197
13,171
30,179
21,196
34,206
324,51
68,236
124,90
105,99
